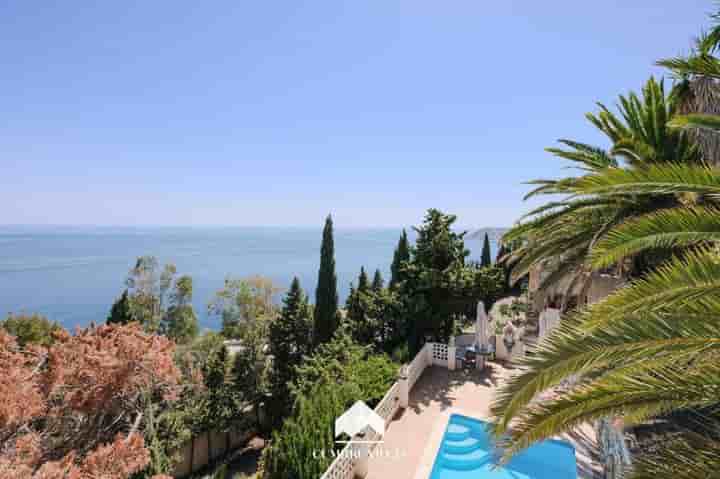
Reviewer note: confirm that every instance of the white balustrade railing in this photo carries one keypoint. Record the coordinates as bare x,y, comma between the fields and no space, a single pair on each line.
343,466
439,354
389,404
418,365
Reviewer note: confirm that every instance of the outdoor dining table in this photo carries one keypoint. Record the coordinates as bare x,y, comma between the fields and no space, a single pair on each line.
485,350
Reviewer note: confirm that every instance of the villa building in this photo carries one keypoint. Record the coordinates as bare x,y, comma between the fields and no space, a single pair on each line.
546,304
600,285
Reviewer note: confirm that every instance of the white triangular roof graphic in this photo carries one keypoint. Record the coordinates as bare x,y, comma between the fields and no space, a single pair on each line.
357,418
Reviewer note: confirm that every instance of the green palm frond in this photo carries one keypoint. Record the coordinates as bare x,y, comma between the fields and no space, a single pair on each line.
642,327
587,157
665,229
652,342
608,123
679,456
567,267
690,283
547,214
642,134
555,234
653,179
642,138
546,187
708,42
634,150
704,65
555,246
637,390
652,348
698,121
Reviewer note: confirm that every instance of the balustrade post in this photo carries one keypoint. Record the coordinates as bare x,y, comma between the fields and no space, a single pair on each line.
451,349
404,387
362,454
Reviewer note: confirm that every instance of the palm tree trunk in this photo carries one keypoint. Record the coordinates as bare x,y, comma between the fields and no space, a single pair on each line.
703,96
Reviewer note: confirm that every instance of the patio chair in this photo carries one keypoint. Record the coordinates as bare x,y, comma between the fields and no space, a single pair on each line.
470,359
460,358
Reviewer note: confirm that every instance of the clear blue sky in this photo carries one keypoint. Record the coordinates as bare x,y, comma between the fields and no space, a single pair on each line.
275,113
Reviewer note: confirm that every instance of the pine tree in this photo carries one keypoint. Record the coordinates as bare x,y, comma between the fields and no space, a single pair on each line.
363,281
249,367
180,322
362,307
120,311
354,314
30,329
430,286
486,259
289,337
215,369
326,315
219,407
402,254
378,283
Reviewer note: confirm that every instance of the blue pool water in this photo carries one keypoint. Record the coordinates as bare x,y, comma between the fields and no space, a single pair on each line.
468,452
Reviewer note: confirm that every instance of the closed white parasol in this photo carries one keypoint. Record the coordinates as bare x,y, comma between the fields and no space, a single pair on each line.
481,324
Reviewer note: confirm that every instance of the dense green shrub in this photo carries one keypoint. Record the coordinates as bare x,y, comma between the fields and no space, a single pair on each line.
302,449
34,329
338,374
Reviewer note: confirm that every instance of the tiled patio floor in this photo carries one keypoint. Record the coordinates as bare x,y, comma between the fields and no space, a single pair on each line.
437,392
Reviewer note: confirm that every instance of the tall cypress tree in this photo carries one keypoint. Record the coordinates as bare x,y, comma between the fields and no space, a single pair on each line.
326,315
289,338
486,259
378,284
402,254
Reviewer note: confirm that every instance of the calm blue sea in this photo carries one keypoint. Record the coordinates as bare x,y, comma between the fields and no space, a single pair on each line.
73,274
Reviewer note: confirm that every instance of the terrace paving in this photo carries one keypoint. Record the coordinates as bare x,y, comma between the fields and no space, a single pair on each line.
412,438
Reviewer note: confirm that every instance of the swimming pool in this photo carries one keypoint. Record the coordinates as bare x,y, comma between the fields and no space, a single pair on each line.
467,451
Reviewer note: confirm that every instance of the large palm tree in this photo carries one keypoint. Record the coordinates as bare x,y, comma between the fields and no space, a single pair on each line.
560,233
651,351
697,90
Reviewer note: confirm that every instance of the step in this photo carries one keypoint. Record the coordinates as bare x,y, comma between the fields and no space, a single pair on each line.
461,447
466,462
457,432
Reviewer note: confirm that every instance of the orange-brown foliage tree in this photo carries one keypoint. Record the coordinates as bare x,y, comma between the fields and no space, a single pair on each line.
73,410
